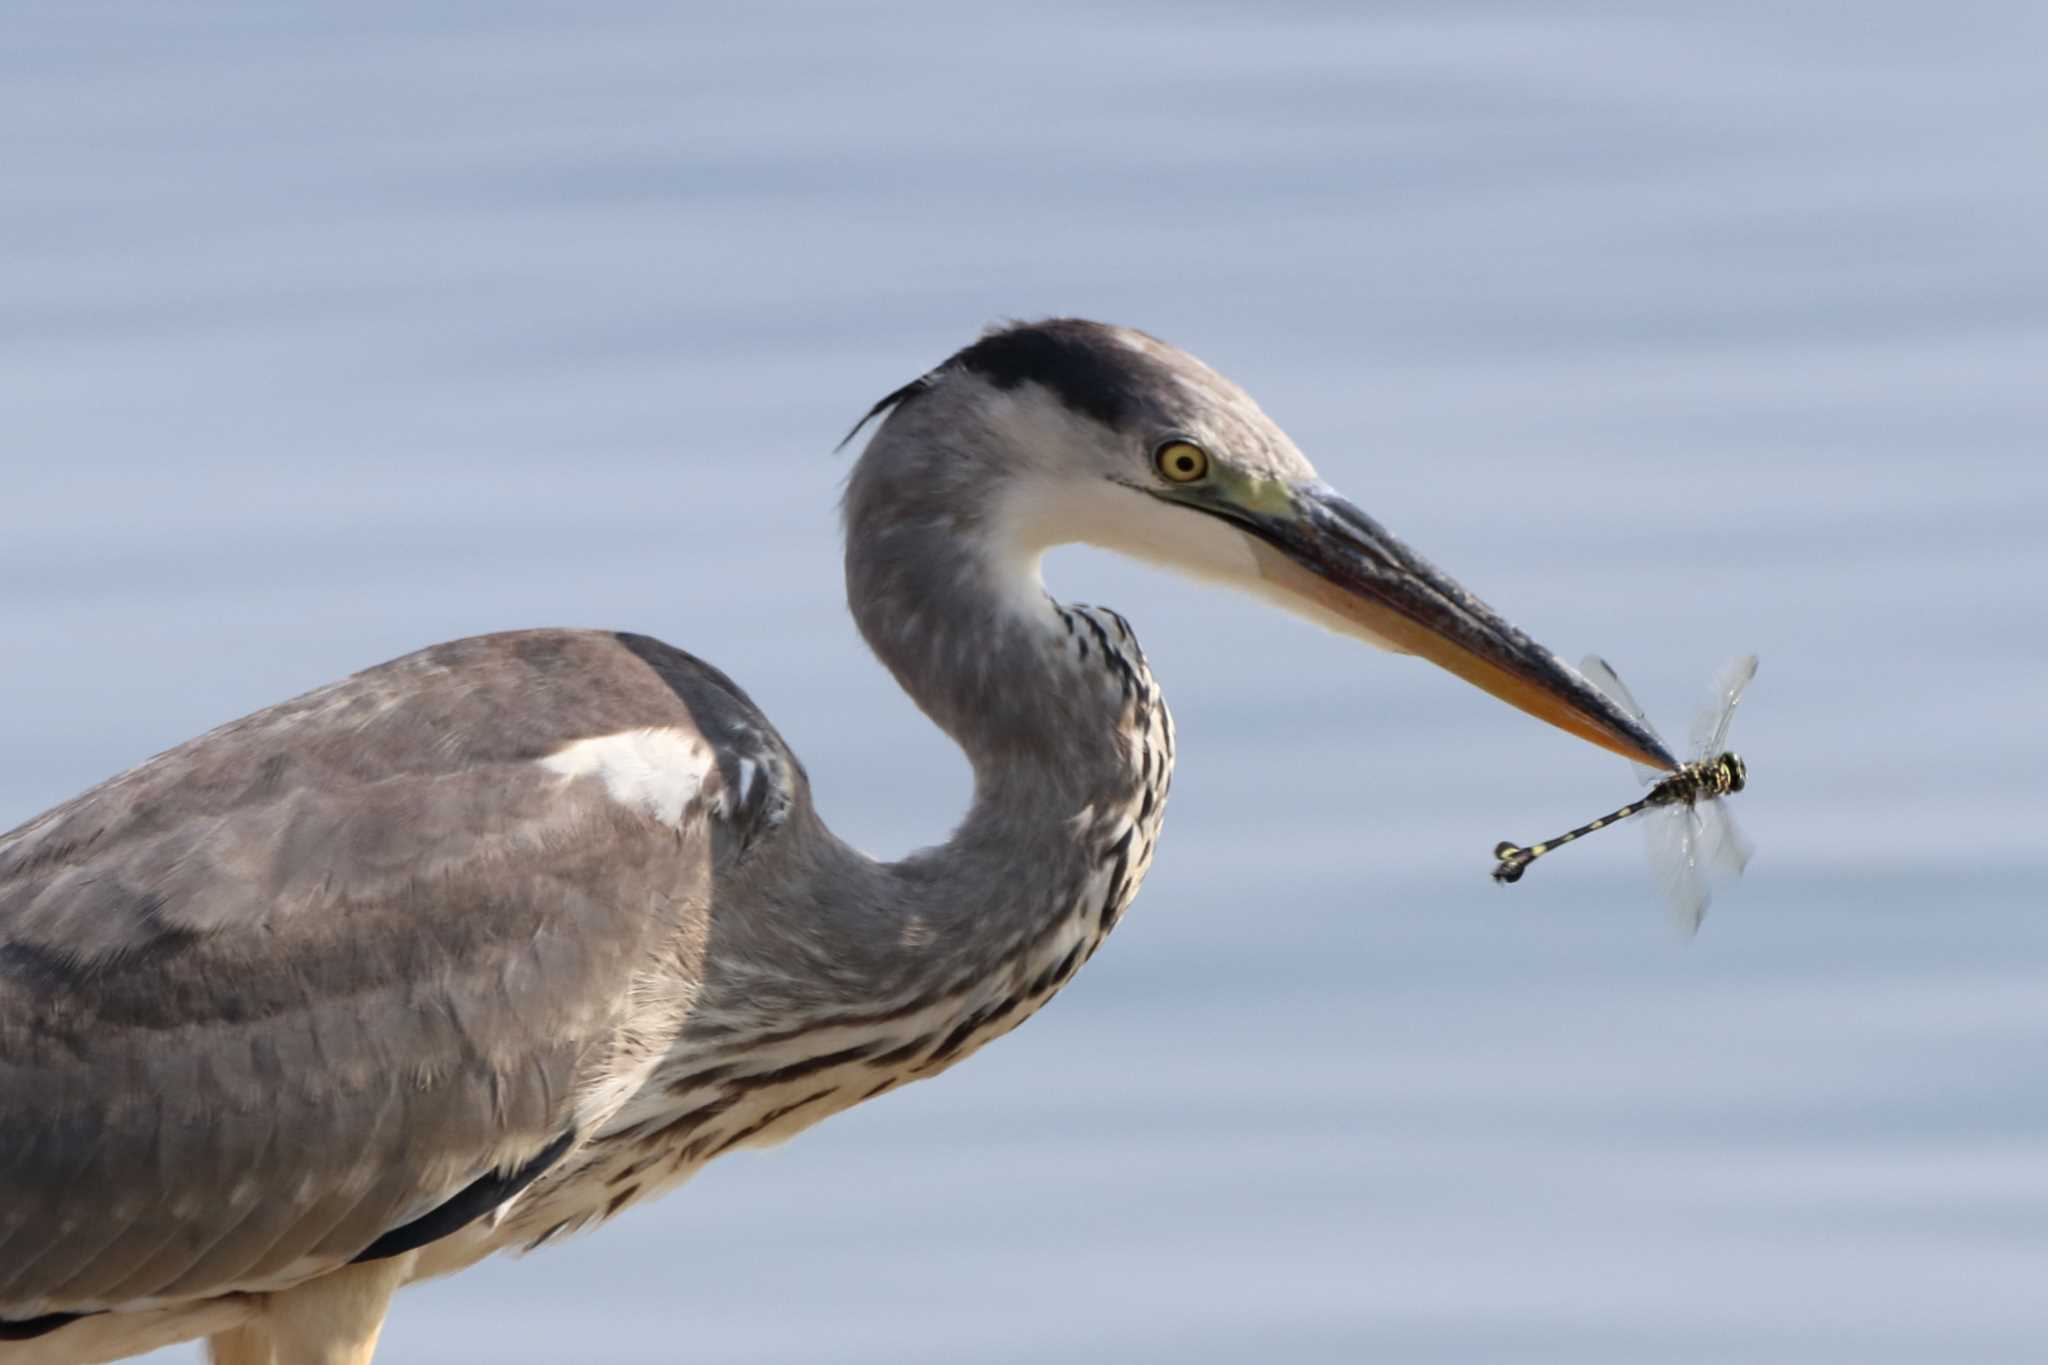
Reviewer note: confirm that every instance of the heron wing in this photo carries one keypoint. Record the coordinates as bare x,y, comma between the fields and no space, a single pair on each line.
306,979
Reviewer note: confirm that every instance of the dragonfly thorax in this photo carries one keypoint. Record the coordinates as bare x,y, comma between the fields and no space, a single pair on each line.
1721,775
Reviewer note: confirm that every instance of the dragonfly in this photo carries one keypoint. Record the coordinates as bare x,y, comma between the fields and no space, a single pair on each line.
1690,833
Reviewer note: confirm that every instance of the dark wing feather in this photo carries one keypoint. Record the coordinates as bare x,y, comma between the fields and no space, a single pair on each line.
304,980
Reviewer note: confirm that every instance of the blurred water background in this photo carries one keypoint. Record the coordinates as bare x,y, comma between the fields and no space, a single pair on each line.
1676,331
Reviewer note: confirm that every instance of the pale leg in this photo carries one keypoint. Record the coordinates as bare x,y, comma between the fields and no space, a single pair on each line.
248,1344
335,1319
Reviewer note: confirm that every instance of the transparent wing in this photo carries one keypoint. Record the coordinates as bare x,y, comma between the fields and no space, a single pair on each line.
1690,847
1723,850
1673,837
1710,724
1599,673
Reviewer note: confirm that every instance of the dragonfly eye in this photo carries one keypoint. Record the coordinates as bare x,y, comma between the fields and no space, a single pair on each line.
1737,770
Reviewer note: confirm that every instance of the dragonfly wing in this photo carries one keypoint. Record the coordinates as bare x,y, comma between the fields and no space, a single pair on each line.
1674,843
1723,849
1710,724
1602,675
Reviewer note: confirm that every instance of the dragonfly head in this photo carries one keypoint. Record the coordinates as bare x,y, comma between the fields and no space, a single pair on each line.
1734,771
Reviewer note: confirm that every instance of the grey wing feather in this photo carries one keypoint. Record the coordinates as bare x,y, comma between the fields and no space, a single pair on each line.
281,990
1711,722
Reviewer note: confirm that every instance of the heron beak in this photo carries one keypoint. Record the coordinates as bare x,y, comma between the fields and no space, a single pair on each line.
1334,563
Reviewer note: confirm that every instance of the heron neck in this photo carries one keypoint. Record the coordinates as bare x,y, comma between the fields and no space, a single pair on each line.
964,623
1049,702
1052,705
1072,750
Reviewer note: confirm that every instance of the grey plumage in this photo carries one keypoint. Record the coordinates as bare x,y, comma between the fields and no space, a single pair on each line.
556,903
273,992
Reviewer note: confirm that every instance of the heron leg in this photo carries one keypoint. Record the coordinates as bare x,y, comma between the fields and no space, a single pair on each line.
335,1319
248,1344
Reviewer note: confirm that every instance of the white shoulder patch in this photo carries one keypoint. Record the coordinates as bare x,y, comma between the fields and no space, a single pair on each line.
657,771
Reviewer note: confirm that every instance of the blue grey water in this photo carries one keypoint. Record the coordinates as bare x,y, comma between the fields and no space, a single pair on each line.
1676,331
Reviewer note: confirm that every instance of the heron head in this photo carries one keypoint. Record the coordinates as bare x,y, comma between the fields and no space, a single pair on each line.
1064,431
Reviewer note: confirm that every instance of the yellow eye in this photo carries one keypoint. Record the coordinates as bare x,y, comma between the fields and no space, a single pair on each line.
1182,461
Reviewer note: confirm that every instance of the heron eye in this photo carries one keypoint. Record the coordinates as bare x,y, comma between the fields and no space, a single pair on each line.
1182,461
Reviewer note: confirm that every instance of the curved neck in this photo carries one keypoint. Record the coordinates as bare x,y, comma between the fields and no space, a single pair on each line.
1052,704
951,602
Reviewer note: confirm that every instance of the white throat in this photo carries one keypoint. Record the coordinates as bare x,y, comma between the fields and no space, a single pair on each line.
1039,514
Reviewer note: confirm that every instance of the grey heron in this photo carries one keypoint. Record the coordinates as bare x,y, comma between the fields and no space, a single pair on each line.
480,946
